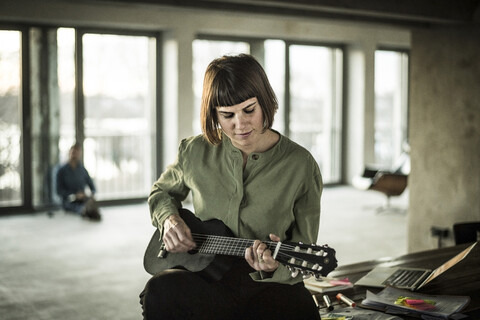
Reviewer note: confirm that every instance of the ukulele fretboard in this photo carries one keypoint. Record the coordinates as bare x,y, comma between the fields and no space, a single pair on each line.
225,245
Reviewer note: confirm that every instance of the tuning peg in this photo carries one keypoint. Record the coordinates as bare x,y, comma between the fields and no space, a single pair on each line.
307,275
163,251
291,261
319,253
295,273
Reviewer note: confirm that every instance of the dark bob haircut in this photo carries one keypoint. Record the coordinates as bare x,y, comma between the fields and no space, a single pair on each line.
231,80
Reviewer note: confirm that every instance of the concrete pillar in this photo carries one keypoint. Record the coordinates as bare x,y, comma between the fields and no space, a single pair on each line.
359,118
45,113
444,132
178,96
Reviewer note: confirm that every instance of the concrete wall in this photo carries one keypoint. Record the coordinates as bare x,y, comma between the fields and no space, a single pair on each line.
444,131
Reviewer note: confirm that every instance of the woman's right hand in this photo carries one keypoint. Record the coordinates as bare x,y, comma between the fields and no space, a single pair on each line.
177,236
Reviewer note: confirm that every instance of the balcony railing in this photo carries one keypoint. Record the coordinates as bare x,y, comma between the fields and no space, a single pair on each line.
120,165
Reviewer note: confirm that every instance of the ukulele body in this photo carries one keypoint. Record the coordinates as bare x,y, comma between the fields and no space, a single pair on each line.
209,266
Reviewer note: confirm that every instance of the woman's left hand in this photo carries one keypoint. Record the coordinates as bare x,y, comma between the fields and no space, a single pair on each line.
259,257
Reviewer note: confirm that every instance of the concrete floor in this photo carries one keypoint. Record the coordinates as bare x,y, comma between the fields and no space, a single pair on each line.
63,267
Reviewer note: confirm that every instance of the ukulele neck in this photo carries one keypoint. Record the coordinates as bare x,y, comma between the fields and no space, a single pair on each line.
226,245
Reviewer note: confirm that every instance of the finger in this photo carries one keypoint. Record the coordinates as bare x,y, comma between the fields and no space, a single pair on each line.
189,237
184,236
168,243
260,259
269,264
257,252
179,230
255,245
261,249
249,257
267,259
176,241
274,237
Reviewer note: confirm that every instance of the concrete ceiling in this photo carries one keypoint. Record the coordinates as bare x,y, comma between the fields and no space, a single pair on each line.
410,12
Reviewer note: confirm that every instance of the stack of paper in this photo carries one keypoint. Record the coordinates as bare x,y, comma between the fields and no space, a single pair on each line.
397,301
323,284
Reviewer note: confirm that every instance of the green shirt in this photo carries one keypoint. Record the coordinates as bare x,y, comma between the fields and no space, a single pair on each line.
277,192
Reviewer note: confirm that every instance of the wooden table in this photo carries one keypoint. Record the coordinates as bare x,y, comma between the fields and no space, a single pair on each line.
462,279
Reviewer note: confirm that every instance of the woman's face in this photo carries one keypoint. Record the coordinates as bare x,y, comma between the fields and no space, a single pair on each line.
243,124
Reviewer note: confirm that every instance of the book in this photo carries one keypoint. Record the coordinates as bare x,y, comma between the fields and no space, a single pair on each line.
324,284
398,301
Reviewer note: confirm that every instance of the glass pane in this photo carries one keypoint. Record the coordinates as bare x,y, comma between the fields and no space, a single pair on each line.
66,83
10,119
275,69
390,106
119,107
315,105
204,51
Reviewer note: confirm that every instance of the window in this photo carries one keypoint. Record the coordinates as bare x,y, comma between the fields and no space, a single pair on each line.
274,65
309,94
66,86
103,95
10,119
204,51
391,106
119,95
315,105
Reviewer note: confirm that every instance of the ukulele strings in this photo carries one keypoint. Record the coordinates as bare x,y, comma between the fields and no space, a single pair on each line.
237,241
231,242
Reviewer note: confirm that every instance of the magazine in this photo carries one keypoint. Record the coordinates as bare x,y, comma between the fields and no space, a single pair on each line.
397,301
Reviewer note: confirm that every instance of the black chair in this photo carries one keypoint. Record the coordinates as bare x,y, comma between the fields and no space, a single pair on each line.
390,184
466,232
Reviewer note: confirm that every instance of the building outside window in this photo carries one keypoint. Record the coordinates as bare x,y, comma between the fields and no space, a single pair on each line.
391,106
119,101
315,105
10,119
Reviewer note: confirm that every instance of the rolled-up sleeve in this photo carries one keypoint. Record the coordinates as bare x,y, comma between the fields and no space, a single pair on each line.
168,192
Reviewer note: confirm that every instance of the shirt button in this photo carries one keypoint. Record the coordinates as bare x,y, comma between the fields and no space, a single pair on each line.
255,157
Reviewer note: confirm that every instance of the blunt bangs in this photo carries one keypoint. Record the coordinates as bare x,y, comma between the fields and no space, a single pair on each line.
229,89
231,80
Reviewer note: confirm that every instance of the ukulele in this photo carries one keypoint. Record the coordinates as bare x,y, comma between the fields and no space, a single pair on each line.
217,247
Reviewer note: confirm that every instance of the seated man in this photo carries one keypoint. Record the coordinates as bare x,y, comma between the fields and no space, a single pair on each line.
72,180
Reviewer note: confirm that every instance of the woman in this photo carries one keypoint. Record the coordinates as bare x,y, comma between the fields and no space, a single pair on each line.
257,182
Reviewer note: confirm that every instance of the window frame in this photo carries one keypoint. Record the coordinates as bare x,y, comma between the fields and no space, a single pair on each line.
27,202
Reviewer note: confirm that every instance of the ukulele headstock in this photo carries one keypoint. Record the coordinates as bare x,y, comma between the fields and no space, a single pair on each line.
308,260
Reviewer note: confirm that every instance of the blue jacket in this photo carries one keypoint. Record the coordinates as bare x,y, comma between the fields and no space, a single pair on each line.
72,180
